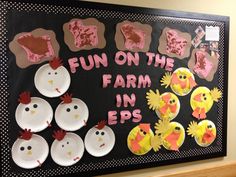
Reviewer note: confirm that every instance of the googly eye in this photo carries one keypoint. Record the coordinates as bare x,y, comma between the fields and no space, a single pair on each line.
141,130
209,126
97,132
22,148
205,98
173,101
184,77
49,73
62,146
67,142
27,109
55,73
102,133
203,94
35,105
177,128
68,109
29,147
180,76
144,133
170,102
75,107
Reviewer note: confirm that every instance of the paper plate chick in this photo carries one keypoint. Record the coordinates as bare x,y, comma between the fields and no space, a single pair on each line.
202,100
168,134
139,139
204,132
181,81
166,105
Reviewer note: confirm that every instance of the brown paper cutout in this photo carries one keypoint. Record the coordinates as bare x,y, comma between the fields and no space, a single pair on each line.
21,55
69,38
163,43
120,38
213,60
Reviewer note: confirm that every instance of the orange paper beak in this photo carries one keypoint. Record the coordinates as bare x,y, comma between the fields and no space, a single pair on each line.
198,97
172,139
208,136
192,83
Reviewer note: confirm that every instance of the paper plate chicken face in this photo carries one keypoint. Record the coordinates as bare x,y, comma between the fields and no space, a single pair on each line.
71,114
30,153
169,106
33,112
202,100
53,79
67,149
204,132
181,81
139,139
99,140
174,136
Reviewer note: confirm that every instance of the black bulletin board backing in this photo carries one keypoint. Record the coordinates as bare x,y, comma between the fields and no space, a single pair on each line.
25,16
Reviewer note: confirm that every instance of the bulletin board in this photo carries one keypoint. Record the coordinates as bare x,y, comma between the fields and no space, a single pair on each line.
90,88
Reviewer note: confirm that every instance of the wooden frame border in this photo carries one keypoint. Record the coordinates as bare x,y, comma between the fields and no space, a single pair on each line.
221,170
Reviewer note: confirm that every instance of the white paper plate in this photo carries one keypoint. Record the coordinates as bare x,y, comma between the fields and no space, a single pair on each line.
72,116
204,123
31,153
99,143
36,115
68,151
181,139
52,83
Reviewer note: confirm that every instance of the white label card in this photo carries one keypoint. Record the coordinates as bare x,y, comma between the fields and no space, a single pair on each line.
212,33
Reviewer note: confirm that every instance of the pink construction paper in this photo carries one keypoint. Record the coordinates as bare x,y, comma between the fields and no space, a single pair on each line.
134,38
83,35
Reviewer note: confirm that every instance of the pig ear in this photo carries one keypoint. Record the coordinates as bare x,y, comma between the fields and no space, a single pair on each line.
175,79
192,82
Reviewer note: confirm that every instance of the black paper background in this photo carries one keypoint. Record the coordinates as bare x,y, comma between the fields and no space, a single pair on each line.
87,85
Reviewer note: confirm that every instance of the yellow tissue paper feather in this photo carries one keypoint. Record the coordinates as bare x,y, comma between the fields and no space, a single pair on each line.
153,99
216,94
166,79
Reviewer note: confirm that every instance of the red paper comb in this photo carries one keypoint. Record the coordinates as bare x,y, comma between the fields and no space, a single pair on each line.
26,134
67,98
25,98
55,63
59,134
101,124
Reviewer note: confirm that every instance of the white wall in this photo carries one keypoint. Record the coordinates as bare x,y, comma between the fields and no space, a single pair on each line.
218,7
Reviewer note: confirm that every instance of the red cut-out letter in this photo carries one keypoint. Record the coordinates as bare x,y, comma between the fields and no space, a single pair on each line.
73,62
160,61
100,60
118,100
131,81
144,81
106,79
169,64
120,58
112,118
150,57
84,65
120,82
137,117
129,100
124,115
133,58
